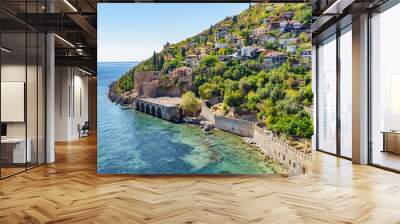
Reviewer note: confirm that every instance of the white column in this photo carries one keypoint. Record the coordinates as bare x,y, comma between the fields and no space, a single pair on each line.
360,90
50,98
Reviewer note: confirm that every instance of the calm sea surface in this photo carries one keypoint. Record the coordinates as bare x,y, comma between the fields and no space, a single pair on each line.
130,142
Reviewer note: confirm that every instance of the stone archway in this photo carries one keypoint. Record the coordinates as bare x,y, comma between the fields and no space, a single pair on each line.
159,113
147,109
153,111
142,107
137,106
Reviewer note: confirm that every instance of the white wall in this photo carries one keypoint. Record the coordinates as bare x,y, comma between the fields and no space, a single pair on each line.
10,73
33,126
71,94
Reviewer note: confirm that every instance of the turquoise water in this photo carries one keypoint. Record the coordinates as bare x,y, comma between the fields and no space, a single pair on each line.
130,142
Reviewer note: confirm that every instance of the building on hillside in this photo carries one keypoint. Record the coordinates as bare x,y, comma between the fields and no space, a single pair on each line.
168,57
306,53
283,42
233,56
300,64
295,27
267,20
240,42
258,32
288,15
223,34
291,49
247,52
268,39
273,26
193,60
232,38
274,59
220,45
182,74
283,25
250,52
201,51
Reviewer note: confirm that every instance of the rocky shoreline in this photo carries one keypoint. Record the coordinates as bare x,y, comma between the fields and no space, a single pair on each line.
205,125
124,99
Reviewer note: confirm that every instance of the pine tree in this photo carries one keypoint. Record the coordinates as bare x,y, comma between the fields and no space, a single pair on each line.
234,19
161,62
210,31
155,61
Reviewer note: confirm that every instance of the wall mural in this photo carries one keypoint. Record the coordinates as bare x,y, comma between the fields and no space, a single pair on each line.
204,88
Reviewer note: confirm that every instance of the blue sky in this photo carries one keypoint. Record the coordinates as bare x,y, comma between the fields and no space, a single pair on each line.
132,31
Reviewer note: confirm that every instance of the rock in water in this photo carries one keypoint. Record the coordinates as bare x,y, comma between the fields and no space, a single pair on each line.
192,120
208,127
250,141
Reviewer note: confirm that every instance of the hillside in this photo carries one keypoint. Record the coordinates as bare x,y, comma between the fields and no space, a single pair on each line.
259,60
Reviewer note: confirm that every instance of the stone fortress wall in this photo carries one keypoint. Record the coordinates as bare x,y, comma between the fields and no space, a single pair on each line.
296,161
151,84
232,125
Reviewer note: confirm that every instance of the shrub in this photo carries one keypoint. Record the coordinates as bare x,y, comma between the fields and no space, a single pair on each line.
233,98
189,103
207,90
209,61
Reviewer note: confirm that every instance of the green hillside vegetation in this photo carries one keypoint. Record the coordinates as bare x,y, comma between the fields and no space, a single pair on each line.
281,96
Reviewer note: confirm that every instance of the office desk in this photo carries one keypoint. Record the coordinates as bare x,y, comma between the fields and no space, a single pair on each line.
391,141
19,155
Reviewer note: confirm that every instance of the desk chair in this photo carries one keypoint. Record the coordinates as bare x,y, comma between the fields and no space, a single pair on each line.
84,130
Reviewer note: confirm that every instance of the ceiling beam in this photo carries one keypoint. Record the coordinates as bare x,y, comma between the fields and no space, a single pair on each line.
85,25
78,61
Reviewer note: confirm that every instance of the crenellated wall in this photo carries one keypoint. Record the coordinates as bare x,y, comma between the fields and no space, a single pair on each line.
296,161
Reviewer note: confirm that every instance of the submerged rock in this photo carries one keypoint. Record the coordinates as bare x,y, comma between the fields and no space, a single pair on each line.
250,141
192,120
208,127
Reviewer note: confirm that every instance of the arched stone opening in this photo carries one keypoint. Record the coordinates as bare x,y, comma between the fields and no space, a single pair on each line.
147,109
159,113
137,106
153,111
142,107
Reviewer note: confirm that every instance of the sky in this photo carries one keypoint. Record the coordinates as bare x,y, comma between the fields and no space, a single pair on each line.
133,31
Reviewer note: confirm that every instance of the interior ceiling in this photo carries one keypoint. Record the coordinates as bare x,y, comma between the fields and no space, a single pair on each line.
75,24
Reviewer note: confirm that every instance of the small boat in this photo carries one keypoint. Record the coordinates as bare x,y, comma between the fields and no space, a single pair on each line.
125,107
